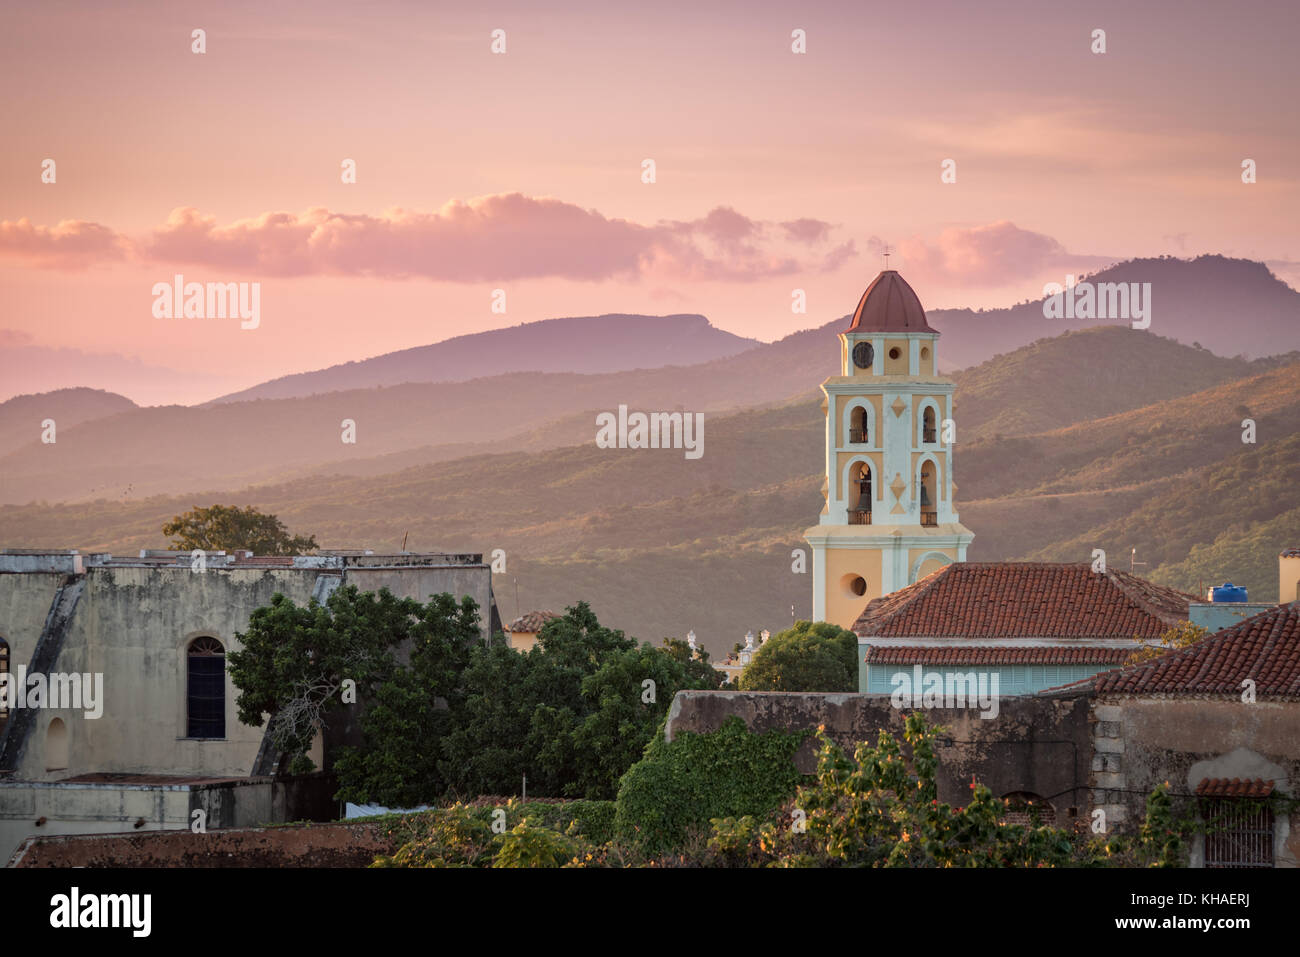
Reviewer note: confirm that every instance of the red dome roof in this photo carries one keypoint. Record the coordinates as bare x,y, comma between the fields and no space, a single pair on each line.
889,305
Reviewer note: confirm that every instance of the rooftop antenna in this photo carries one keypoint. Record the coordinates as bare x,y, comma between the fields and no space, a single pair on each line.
404,536
516,581
1132,560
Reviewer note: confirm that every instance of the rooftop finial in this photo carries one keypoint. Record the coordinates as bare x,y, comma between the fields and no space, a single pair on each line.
886,255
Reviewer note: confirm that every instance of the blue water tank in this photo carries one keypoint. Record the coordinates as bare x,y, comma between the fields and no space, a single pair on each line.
1228,592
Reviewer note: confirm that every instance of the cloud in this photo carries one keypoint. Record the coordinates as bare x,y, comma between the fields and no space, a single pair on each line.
838,256
996,254
14,338
501,237
72,244
807,230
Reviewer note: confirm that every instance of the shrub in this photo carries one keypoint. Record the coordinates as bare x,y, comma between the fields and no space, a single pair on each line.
462,835
536,846
593,820
678,786
881,809
453,836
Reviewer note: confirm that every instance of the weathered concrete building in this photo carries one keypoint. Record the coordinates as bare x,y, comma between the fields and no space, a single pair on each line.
131,653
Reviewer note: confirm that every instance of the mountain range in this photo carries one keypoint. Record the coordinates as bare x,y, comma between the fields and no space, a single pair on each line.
1053,459
1068,439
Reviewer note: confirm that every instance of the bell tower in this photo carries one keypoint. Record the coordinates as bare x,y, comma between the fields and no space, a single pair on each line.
889,517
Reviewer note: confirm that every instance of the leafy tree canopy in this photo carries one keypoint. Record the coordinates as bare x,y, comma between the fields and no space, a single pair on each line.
573,714
462,717
296,662
229,527
809,656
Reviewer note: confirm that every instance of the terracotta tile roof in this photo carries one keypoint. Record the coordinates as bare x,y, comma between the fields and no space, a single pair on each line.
889,304
1024,600
531,622
1234,787
1265,649
1033,655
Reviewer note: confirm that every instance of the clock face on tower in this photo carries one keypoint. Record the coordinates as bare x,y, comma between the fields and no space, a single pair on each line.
863,355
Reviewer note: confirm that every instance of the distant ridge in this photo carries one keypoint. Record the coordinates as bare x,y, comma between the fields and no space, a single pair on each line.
614,342
21,416
1229,306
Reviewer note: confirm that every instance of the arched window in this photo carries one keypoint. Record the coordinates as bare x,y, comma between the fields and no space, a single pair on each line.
4,670
929,510
56,746
928,434
859,426
860,494
205,690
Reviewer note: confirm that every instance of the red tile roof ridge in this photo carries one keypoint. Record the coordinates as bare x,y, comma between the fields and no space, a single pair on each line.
1264,649
903,596
955,654
1235,787
1008,600
1140,591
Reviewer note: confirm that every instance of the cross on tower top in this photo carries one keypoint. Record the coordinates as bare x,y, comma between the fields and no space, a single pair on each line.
886,251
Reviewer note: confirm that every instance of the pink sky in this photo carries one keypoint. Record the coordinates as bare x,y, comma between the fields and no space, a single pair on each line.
522,171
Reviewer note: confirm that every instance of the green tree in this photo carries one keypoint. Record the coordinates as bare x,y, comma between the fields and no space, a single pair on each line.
228,528
574,713
626,702
483,751
522,710
809,656
298,663
409,715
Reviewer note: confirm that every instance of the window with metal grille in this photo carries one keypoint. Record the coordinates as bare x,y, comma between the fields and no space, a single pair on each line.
1238,832
206,688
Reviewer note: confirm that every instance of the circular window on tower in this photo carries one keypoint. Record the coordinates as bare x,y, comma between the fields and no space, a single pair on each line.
894,353
855,586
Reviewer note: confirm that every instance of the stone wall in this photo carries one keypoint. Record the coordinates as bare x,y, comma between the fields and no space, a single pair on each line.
147,804
1140,742
1077,753
1040,746
313,845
